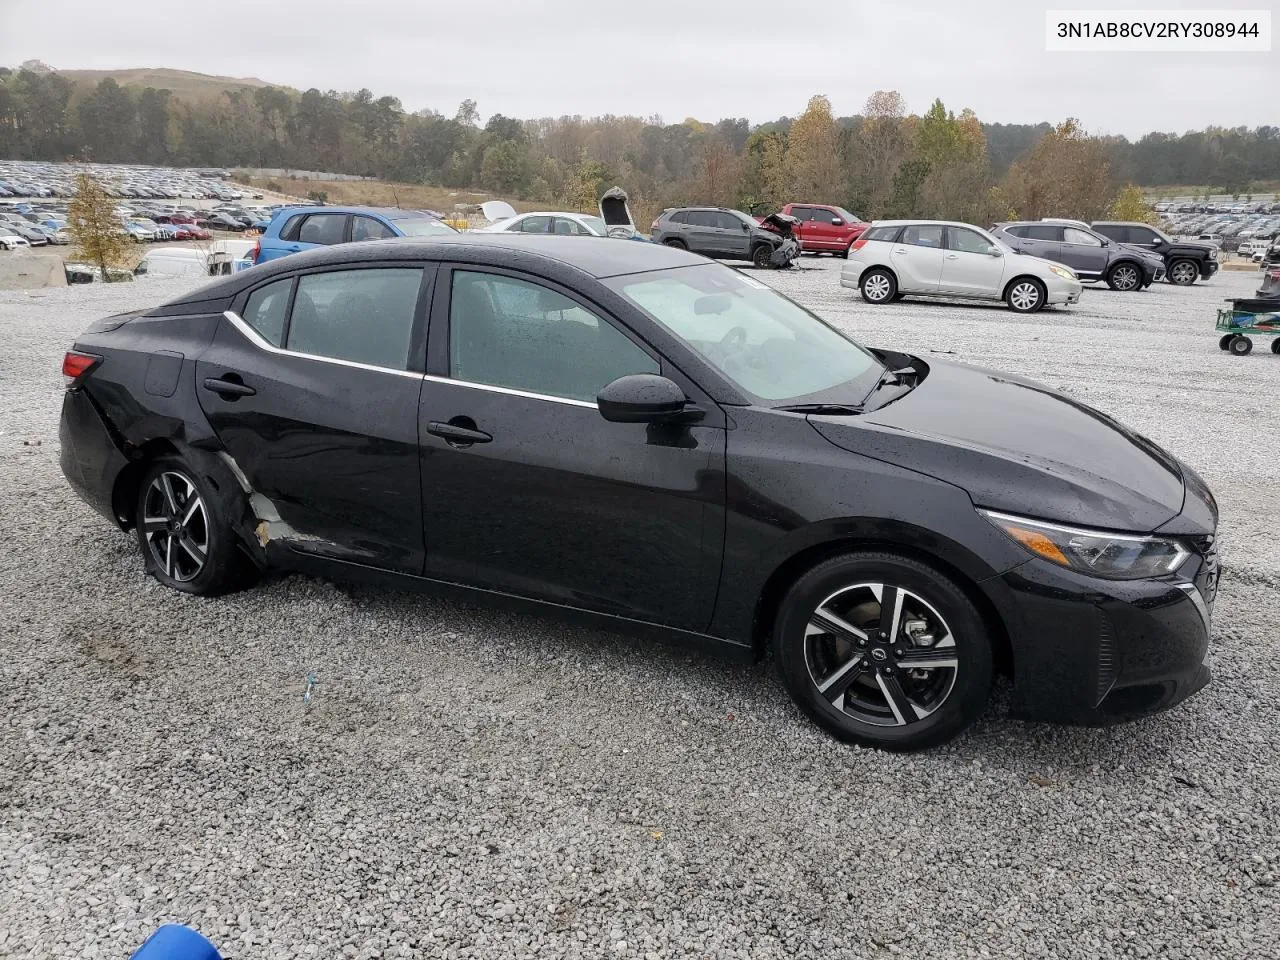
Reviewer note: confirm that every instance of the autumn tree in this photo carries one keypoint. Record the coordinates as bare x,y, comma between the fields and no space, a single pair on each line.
813,154
1131,204
94,227
1066,174
717,176
880,145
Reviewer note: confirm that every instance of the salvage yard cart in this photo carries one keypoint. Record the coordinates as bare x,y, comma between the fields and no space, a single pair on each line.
1246,318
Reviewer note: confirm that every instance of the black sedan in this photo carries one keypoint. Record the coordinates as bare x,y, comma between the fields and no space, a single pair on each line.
633,434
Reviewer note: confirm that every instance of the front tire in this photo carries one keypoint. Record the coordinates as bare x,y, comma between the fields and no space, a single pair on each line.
883,650
762,256
187,543
1124,277
878,286
1025,295
1183,273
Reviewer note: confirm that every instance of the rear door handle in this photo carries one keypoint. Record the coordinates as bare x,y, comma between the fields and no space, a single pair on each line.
900,250
230,389
457,434
953,256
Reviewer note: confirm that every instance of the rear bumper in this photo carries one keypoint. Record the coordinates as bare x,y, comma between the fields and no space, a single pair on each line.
1097,652
90,458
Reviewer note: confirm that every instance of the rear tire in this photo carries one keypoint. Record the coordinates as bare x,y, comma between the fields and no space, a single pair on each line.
1025,295
678,244
187,543
1275,345
1125,277
1224,343
845,638
1183,273
1240,346
878,286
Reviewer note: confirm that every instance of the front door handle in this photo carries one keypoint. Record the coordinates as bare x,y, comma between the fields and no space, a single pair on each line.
231,389
458,432
953,256
900,250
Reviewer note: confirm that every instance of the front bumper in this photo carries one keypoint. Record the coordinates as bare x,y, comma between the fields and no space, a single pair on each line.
1208,268
1096,652
1059,290
785,252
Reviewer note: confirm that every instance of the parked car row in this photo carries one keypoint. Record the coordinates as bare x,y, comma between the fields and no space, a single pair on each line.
37,179
294,229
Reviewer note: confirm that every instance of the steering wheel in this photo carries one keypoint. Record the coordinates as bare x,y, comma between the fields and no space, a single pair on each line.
735,338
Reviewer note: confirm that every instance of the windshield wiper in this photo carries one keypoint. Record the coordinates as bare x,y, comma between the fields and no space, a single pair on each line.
829,409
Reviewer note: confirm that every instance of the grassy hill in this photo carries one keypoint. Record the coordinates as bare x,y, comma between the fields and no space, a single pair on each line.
184,83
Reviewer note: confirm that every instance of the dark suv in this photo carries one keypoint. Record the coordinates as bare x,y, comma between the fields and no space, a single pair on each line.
1185,260
1092,256
727,235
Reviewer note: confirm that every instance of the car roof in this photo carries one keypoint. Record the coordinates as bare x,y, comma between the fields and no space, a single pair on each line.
930,223
547,254
391,213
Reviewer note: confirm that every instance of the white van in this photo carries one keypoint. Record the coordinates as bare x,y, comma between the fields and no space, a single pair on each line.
173,262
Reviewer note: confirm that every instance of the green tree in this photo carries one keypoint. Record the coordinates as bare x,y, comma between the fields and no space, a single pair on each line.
1066,174
502,170
94,227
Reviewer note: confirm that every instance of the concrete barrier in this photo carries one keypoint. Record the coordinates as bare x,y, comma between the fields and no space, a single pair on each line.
30,271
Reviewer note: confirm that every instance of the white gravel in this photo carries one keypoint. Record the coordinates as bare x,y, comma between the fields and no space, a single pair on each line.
466,783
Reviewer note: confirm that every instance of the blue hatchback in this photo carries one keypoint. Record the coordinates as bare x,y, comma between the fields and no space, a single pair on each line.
294,229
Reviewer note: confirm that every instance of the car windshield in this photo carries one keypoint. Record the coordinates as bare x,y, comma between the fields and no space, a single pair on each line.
771,348
422,227
847,216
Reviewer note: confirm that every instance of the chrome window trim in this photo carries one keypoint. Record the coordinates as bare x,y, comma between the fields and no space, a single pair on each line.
257,340
509,391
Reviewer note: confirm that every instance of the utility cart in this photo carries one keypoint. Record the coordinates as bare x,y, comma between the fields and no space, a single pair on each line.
1249,318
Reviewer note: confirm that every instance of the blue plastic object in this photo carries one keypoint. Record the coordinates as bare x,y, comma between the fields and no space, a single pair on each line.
176,942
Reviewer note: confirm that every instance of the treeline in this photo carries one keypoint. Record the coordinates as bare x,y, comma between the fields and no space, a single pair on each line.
882,162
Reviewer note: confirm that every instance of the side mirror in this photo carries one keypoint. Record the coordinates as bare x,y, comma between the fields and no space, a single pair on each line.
837,222
994,251
641,398
744,226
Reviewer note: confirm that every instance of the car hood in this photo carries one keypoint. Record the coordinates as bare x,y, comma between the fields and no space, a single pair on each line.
1145,252
1018,446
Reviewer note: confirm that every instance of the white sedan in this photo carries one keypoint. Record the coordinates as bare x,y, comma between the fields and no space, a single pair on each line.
11,241
931,258
565,224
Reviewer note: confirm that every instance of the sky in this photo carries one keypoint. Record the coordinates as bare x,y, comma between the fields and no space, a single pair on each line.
675,58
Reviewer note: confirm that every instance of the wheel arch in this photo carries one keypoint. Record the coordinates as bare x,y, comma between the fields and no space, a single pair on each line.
879,266
1044,288
949,559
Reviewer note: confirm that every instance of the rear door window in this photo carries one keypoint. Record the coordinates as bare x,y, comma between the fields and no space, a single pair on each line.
1041,231
323,228
365,316
535,225
923,235
703,218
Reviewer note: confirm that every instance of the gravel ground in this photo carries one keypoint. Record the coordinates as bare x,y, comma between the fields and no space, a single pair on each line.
465,783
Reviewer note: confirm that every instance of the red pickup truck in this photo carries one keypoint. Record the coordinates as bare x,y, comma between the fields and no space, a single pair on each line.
822,228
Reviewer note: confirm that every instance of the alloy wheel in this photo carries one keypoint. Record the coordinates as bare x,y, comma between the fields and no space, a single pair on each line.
877,287
1183,273
881,654
175,524
1125,278
1024,296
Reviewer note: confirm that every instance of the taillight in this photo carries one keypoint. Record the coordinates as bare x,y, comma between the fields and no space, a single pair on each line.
653,226
75,365
859,243
256,251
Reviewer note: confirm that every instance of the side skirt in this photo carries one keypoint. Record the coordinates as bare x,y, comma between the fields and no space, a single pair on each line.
360,573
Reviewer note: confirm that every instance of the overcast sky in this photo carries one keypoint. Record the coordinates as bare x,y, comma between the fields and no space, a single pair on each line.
676,58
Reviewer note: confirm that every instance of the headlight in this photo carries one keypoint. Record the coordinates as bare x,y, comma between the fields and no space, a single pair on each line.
1115,556
1063,272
